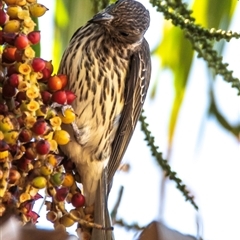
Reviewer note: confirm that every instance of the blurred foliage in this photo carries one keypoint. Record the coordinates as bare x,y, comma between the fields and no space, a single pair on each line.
164,163
176,51
36,47
69,16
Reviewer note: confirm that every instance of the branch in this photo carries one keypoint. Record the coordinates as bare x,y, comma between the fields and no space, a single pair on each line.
164,163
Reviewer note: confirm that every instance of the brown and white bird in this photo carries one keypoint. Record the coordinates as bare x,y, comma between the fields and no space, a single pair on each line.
108,66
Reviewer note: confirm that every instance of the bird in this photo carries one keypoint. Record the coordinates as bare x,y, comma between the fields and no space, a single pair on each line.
108,66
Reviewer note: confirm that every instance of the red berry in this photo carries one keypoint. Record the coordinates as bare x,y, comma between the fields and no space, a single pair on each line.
3,17
78,200
8,91
70,96
49,66
61,194
9,37
40,127
21,96
21,41
19,55
14,80
34,37
22,164
3,109
30,153
38,64
2,40
46,74
11,69
68,165
3,146
59,97
14,175
43,147
25,135
46,97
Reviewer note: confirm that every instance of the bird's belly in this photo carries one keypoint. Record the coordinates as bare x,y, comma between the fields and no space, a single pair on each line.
98,80
98,122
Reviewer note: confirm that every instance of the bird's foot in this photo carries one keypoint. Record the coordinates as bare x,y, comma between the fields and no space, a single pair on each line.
86,224
77,133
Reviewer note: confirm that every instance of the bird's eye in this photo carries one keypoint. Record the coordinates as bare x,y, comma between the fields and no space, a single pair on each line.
124,34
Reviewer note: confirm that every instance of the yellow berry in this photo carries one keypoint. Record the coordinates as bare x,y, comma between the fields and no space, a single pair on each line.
46,169
6,124
12,26
29,52
23,86
32,92
68,117
11,137
29,121
39,182
53,145
66,220
24,68
33,105
3,154
56,122
37,10
13,11
23,14
24,197
61,137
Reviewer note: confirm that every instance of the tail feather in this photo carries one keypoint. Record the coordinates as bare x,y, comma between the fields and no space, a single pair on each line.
90,177
101,214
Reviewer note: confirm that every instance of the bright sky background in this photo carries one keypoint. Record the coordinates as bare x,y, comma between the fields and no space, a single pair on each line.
205,157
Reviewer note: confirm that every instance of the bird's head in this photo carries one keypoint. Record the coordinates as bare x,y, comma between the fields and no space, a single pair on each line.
126,20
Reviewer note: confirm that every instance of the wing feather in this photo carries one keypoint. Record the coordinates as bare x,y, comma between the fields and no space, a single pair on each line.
137,83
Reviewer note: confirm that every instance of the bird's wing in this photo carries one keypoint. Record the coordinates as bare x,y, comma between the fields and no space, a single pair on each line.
137,83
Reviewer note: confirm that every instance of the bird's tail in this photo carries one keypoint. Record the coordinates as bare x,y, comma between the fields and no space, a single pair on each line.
101,214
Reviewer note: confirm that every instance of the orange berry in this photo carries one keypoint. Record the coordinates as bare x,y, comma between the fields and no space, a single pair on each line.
54,83
10,2
64,79
9,53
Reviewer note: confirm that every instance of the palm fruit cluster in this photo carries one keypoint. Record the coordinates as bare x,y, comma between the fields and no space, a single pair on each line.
30,125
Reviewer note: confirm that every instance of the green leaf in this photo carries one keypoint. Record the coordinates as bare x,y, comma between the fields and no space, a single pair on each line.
176,54
36,47
69,16
214,13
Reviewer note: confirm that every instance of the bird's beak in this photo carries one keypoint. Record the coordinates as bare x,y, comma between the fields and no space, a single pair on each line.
101,18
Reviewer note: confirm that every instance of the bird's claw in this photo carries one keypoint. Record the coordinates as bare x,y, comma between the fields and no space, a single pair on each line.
77,133
62,107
